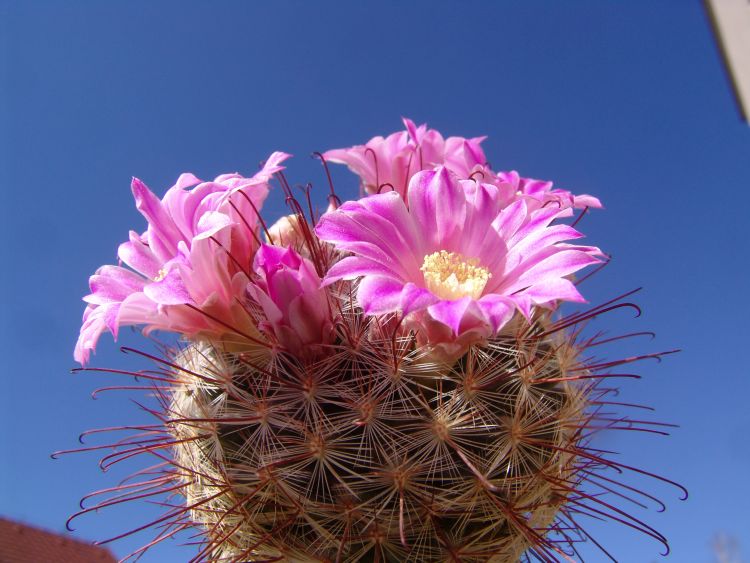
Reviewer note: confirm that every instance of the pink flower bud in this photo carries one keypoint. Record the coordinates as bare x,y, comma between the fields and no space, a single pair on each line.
286,232
295,306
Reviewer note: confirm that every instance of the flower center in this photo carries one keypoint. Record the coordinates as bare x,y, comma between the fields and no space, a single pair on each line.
451,275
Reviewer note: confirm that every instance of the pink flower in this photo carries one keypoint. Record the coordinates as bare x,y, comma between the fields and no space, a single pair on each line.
456,262
195,253
389,163
295,306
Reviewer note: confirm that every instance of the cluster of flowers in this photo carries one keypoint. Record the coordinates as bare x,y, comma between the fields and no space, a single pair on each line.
452,247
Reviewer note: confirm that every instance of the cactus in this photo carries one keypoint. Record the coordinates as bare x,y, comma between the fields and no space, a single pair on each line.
371,454
330,404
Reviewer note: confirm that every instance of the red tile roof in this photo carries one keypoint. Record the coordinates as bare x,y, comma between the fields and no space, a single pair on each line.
20,543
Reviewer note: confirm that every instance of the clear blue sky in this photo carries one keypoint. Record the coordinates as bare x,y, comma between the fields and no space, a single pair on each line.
624,100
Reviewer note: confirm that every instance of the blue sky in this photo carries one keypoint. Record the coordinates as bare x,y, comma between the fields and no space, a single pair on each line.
624,100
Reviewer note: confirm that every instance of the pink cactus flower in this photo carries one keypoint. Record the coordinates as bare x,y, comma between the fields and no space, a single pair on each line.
177,265
294,304
389,163
455,262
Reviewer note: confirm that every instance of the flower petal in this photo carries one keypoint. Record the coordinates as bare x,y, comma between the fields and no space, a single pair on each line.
552,290
163,233
438,205
557,265
498,310
450,313
136,254
94,323
170,290
113,284
352,267
378,295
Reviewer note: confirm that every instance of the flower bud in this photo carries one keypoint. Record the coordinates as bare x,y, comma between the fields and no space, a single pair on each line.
296,309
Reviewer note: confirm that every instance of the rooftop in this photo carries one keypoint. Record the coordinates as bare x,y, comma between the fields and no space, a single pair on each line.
21,543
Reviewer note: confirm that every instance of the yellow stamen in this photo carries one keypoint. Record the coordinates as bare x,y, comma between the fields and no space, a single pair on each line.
160,275
450,275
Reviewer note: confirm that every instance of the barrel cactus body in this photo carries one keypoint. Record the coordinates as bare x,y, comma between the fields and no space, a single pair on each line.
373,454
390,381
